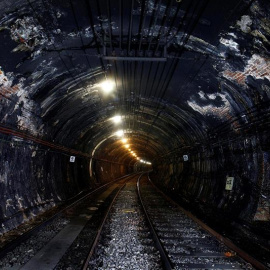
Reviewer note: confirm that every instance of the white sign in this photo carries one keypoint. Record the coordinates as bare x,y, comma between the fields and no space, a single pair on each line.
185,157
72,159
229,183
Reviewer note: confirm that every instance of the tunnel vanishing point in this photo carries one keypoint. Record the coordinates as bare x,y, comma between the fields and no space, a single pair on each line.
93,90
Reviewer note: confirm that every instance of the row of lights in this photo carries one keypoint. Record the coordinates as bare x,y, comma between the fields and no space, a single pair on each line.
107,87
127,146
145,162
120,133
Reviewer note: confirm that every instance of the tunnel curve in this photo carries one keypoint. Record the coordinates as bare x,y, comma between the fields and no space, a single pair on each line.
190,84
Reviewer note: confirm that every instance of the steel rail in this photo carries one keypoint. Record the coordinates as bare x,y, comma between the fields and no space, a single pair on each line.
20,239
242,254
164,256
86,262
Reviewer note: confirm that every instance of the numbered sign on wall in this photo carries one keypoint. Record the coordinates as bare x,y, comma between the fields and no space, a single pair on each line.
229,183
72,159
185,157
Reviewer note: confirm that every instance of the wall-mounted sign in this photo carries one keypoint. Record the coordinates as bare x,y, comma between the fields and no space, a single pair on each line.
229,183
185,157
72,159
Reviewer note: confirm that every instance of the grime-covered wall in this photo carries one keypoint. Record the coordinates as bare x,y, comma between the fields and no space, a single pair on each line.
105,171
198,177
35,172
35,169
34,178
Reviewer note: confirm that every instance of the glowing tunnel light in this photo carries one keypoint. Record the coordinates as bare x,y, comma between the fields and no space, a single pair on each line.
145,162
119,133
117,119
107,86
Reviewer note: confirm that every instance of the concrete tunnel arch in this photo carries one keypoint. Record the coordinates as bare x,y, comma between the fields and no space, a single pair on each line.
197,88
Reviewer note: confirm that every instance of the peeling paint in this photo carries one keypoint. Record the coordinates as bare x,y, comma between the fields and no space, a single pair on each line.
7,88
232,35
19,201
257,67
211,109
26,120
245,24
202,95
28,33
230,44
9,203
4,81
43,71
4,177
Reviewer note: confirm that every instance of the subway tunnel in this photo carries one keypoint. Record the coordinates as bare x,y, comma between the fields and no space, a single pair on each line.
94,90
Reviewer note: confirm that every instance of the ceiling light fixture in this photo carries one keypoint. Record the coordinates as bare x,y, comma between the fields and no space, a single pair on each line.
117,119
107,86
119,133
144,161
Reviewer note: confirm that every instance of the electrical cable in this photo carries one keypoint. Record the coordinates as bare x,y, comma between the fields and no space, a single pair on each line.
174,65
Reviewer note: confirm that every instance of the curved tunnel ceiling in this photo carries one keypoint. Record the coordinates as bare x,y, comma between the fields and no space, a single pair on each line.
185,72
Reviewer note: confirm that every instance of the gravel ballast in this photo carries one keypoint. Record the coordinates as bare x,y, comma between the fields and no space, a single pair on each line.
126,242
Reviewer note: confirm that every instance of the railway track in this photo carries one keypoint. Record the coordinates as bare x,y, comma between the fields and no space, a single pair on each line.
184,241
43,246
125,241
128,224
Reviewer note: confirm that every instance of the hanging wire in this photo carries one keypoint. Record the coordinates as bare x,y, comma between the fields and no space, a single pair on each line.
163,74
55,49
78,29
91,23
176,61
165,19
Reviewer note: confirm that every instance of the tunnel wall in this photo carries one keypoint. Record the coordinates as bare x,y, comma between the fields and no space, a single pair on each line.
33,179
104,171
200,182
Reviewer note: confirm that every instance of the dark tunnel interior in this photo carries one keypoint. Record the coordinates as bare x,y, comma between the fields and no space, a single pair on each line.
93,90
